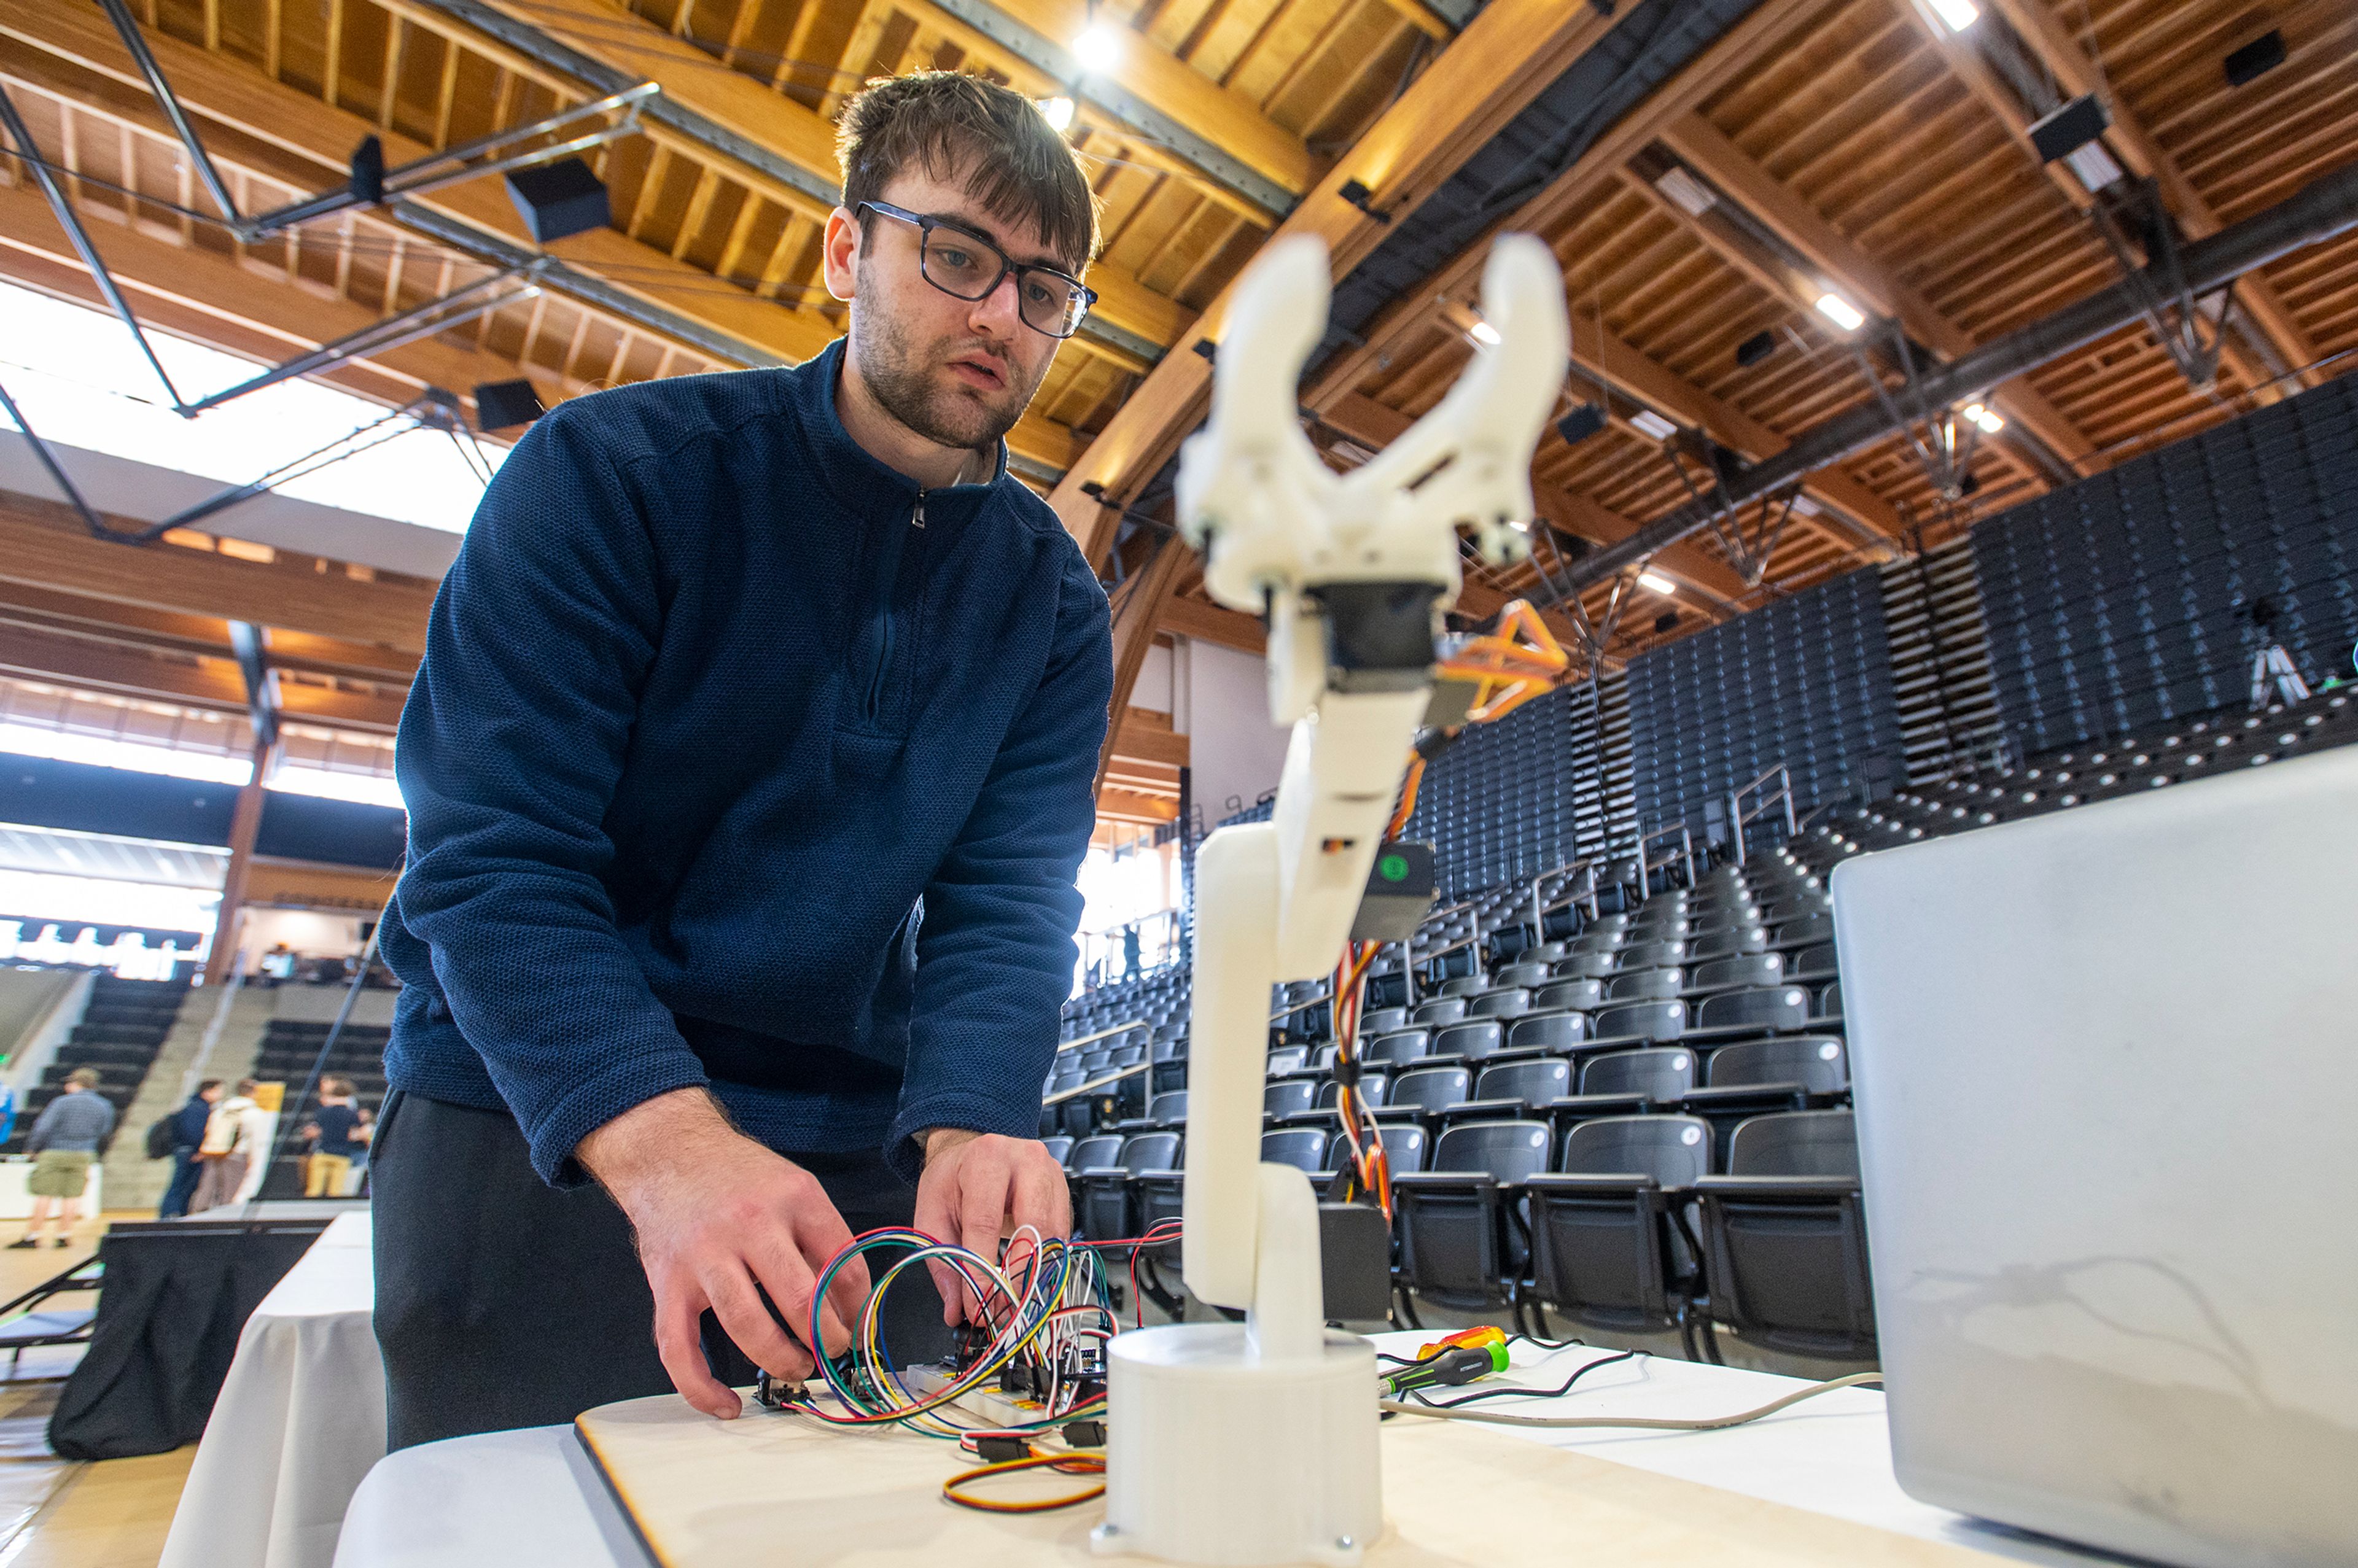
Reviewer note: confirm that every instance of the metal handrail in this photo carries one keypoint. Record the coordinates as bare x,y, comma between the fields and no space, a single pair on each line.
1738,817
1646,866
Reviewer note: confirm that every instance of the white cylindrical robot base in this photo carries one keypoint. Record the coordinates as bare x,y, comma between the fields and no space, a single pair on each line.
1213,1458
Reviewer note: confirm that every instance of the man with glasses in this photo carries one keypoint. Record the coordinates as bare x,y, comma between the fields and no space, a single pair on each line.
749,770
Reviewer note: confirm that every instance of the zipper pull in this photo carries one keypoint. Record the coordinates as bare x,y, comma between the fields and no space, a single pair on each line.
918,518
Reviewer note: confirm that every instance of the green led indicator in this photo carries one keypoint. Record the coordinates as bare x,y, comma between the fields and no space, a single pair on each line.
1392,867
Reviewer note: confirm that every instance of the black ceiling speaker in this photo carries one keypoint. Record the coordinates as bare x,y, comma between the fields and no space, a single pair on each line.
2255,59
2067,130
560,199
1667,620
504,404
368,170
1755,349
1585,420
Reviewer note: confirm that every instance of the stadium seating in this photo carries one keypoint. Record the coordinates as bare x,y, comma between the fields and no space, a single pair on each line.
1716,1011
122,1028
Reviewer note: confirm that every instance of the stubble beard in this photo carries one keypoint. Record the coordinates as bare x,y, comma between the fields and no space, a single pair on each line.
903,379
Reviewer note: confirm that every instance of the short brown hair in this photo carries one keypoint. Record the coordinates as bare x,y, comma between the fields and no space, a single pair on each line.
246,1087
83,1077
339,1087
1017,166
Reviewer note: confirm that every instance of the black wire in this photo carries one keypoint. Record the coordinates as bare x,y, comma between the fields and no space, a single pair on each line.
1418,1394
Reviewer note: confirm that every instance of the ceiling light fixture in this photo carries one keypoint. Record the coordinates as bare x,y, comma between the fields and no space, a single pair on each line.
1098,49
2093,167
1990,423
1648,423
1959,14
1840,312
1657,583
1691,195
1059,112
1482,332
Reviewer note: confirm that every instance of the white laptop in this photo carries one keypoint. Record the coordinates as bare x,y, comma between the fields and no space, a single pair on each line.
2106,1070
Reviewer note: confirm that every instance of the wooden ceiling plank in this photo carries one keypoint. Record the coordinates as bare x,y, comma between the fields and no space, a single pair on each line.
44,545
777,124
1216,624
1228,119
285,118
1374,425
263,312
1639,377
2056,50
1981,79
1702,147
1572,190
1488,73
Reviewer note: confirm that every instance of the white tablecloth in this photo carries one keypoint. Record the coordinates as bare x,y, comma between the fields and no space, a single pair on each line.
17,1200
300,1420
533,1500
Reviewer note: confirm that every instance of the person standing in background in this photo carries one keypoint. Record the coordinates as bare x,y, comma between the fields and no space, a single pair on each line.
233,1134
336,1134
72,1130
187,1137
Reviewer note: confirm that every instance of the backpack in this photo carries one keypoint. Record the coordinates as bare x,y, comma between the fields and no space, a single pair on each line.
160,1138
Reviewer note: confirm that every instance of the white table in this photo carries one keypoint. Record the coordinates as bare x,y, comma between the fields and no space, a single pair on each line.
533,1500
300,1420
16,1198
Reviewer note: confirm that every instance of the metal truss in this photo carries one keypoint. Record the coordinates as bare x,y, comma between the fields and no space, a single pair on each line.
1746,551
1930,429
372,184
2137,227
433,409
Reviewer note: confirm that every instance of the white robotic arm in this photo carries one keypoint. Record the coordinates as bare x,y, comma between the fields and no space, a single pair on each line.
1257,1445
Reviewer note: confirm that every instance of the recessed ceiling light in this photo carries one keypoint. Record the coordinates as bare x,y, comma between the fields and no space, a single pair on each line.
1057,111
2093,167
1098,49
1840,312
1959,14
1684,189
1651,424
1657,583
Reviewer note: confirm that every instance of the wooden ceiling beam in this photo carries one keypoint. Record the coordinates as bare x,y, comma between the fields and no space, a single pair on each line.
1658,387
1980,79
207,682
1703,148
769,120
1215,624
44,545
1397,324
2062,54
230,93
1137,603
1160,80
219,301
1129,805
1506,57
1711,587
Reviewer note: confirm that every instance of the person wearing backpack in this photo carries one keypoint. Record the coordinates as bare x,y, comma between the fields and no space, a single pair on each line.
181,1134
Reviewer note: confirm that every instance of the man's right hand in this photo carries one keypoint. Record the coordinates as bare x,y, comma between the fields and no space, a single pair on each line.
717,1214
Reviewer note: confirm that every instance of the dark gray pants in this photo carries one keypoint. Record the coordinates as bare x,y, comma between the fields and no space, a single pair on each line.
502,1302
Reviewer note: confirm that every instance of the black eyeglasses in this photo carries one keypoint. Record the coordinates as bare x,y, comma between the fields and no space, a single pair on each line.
965,265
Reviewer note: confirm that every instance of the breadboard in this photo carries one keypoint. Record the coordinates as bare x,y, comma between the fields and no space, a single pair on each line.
770,1488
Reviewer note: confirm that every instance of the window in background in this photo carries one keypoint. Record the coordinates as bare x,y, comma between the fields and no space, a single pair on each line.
82,383
38,719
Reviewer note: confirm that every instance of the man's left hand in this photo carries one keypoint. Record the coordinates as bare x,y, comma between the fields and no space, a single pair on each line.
980,1187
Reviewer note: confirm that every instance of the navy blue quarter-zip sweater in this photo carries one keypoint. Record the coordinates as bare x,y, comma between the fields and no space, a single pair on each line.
711,700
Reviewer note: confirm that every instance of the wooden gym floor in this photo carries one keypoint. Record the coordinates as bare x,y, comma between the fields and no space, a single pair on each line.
55,1513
